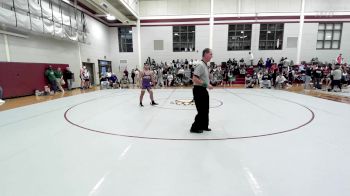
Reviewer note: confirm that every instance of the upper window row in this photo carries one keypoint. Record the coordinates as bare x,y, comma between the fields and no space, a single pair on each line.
240,37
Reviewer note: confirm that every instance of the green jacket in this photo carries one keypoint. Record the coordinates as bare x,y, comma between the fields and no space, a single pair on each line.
58,74
50,74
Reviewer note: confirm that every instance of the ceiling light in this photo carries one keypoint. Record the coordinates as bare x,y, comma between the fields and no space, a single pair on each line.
110,17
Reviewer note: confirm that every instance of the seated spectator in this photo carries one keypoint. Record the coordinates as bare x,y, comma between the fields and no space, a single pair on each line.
249,81
113,81
266,81
104,84
281,81
231,78
170,79
124,82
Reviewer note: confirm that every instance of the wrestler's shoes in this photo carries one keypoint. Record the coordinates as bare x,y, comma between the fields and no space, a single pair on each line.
154,103
196,131
200,131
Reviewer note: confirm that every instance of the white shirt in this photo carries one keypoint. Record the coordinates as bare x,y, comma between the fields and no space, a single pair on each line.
280,79
251,56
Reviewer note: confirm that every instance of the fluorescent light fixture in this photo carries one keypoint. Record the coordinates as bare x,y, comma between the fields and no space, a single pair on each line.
130,31
110,17
176,34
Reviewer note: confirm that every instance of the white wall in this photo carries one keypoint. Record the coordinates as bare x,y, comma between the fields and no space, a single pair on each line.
253,6
193,7
308,45
174,7
149,34
116,56
41,49
98,45
221,53
2,48
326,5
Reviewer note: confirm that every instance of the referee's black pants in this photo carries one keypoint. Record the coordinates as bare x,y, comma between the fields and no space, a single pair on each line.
201,99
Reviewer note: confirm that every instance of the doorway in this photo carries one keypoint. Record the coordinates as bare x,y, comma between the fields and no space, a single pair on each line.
90,67
103,67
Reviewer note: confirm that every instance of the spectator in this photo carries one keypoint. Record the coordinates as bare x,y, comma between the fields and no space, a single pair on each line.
124,82
340,59
268,63
59,79
281,81
249,81
81,75
337,74
160,81
104,84
318,74
50,74
113,81
69,77
170,79
308,73
133,76
260,65
137,76
86,77
251,58
1,93
126,73
266,81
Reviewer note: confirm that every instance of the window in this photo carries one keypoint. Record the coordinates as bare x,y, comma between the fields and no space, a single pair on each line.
271,36
329,35
125,39
184,38
239,37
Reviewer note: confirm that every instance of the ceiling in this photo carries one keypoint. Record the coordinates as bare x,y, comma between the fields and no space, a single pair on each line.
94,9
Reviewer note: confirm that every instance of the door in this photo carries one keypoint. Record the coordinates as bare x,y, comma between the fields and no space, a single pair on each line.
90,67
104,66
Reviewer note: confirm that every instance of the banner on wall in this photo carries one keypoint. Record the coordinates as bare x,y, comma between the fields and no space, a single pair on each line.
7,17
59,30
23,20
21,4
46,9
37,24
34,7
48,27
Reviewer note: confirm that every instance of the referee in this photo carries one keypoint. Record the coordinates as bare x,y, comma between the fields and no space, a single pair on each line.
200,94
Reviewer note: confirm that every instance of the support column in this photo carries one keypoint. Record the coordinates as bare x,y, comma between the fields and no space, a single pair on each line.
7,50
139,42
301,26
211,24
